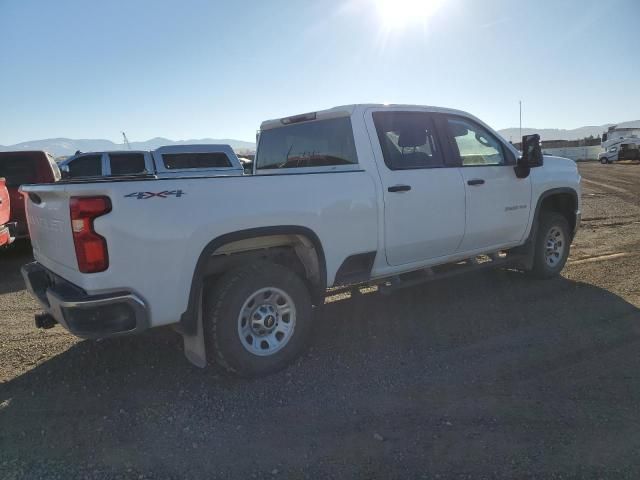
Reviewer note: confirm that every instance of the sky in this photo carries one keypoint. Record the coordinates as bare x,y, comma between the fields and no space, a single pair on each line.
189,69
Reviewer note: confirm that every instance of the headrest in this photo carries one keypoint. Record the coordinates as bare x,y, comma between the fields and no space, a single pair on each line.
412,137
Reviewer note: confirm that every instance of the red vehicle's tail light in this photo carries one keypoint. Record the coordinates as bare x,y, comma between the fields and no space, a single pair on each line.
91,248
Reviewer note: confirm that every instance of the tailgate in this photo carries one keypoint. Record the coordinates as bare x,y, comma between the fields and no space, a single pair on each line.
47,210
4,203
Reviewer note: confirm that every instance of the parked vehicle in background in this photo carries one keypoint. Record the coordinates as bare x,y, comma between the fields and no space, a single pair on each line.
5,202
164,161
19,168
388,195
620,144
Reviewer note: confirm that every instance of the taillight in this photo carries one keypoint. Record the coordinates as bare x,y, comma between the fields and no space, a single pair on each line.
91,248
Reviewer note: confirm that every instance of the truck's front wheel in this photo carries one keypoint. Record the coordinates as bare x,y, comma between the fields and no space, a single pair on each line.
257,319
551,245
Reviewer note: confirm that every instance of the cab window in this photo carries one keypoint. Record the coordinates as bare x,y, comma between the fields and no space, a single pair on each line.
407,140
321,144
474,144
126,163
86,166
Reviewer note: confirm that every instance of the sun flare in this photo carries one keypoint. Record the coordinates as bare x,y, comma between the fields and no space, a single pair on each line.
400,13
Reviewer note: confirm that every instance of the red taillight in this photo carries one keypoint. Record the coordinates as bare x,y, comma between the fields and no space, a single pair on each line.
91,248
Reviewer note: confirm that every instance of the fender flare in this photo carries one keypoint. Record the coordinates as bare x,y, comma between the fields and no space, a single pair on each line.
541,198
189,319
551,192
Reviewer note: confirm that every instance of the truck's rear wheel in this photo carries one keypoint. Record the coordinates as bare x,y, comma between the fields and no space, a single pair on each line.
257,319
552,244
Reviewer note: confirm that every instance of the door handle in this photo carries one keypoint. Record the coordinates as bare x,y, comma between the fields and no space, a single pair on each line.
399,188
475,181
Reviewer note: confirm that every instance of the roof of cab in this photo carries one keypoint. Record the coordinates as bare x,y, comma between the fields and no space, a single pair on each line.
348,110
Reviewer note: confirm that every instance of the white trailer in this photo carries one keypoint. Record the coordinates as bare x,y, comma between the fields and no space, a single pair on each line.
620,143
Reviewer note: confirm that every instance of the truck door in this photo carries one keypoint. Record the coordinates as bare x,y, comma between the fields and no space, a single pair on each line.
498,203
424,197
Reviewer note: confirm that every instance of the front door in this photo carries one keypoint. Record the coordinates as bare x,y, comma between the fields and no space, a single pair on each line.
424,197
498,203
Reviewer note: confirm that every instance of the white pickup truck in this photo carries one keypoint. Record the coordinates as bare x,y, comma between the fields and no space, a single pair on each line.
389,195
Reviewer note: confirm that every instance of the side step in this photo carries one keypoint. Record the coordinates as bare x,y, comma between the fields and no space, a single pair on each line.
482,262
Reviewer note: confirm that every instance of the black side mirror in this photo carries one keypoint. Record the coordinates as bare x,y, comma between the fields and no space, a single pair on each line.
531,152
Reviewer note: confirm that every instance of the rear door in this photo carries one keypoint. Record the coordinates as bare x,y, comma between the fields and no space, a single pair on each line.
498,203
424,197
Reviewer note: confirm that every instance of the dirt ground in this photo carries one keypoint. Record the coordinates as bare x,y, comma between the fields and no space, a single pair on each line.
489,375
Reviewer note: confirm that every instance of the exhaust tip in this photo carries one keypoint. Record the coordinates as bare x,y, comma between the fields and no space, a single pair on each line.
45,321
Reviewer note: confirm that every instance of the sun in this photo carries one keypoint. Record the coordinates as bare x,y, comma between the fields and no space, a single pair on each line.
401,13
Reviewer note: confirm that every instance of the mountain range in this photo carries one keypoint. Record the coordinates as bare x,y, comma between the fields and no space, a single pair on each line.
60,147
513,134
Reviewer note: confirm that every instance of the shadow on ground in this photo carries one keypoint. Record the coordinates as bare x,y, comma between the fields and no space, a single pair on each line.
11,259
489,375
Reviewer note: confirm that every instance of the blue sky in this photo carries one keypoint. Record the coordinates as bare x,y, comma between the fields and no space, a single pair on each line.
192,68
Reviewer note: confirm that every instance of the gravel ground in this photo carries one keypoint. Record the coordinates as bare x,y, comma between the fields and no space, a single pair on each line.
483,376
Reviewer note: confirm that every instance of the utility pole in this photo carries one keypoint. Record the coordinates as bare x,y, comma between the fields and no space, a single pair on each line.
126,141
520,103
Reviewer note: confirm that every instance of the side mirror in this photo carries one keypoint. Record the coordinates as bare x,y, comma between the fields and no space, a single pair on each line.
64,171
531,152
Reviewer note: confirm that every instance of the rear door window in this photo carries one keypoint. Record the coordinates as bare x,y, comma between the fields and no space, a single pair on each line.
407,140
86,166
127,163
179,161
322,143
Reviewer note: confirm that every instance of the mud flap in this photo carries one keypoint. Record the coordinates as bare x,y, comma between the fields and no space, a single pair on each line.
194,347
527,251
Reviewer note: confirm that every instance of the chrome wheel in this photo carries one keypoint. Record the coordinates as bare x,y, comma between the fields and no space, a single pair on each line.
266,321
554,247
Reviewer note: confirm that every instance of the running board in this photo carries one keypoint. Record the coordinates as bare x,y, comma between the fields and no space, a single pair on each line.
483,262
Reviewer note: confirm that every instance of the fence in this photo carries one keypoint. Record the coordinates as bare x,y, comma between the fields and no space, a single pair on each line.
575,153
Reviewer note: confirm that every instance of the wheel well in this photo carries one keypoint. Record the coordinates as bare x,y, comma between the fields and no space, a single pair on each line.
295,247
295,252
563,203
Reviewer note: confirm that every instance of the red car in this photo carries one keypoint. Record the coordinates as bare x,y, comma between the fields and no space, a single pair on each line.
5,236
20,168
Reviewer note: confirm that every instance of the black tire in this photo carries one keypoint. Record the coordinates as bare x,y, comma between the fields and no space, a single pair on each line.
547,222
604,160
223,304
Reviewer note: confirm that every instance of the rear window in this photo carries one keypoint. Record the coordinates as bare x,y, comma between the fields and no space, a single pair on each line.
177,161
126,163
18,170
86,166
322,143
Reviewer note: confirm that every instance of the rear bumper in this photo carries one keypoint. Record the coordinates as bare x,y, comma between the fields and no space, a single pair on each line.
86,316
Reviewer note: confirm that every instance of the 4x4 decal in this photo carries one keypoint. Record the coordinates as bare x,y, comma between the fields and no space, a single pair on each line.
147,195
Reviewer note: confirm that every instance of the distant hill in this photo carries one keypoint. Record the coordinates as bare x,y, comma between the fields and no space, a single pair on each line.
59,147
513,134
